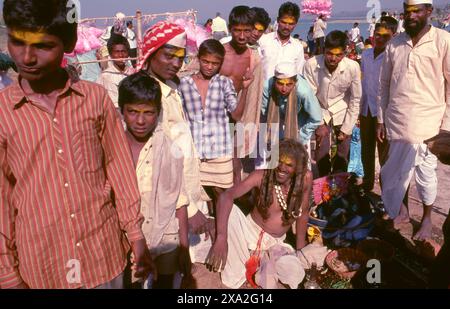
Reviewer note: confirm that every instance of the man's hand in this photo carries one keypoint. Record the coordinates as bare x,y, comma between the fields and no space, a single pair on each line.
247,79
321,133
381,132
440,146
198,223
342,136
217,256
143,264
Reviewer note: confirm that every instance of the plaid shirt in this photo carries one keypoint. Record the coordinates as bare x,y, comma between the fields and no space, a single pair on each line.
210,125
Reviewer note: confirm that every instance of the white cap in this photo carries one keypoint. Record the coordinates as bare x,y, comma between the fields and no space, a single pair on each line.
178,41
414,2
285,70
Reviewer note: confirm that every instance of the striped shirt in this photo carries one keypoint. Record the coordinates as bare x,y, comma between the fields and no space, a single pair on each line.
59,226
210,125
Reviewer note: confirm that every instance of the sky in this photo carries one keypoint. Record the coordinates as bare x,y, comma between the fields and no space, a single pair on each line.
208,8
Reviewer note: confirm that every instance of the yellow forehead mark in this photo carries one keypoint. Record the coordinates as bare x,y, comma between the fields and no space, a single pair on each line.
382,31
29,37
179,53
336,51
288,20
140,111
284,81
286,160
259,27
412,8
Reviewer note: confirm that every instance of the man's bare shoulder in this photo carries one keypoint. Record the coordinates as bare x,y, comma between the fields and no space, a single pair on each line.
255,178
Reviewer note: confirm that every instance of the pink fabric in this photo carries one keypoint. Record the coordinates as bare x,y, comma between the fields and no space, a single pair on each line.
317,7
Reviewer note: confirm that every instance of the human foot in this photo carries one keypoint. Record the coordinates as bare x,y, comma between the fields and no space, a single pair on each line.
424,231
402,218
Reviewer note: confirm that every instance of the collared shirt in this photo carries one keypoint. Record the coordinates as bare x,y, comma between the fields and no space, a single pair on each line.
163,218
414,96
176,126
309,111
274,52
339,94
354,34
370,68
111,78
57,174
219,25
210,124
319,29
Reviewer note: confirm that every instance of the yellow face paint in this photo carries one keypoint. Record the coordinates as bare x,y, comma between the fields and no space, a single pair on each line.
285,159
284,81
28,37
336,51
179,53
411,9
288,20
259,27
382,31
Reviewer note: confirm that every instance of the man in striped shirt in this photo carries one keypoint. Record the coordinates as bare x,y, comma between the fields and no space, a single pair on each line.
67,182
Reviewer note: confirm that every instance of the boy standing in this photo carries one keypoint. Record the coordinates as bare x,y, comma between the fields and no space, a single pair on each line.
160,178
63,154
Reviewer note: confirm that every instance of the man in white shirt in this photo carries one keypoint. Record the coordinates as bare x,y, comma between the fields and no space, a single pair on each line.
336,81
131,37
117,70
355,33
401,22
280,46
319,34
371,62
219,27
414,105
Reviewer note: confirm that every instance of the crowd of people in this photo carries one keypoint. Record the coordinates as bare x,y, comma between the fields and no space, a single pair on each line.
143,159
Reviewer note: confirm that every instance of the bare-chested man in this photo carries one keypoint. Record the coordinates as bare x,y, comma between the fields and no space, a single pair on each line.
281,198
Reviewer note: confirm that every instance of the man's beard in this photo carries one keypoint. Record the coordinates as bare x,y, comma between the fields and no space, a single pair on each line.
415,30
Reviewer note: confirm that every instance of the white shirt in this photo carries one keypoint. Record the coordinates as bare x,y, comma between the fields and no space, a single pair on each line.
339,94
110,80
131,37
219,25
354,34
414,95
371,69
273,53
319,27
371,30
400,28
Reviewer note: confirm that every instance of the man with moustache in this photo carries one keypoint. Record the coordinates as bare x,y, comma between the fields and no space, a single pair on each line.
413,106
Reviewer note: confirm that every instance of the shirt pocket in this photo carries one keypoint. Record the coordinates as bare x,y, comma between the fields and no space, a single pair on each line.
88,153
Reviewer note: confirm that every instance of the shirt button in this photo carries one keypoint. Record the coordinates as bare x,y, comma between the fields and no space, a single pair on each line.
60,151
66,185
78,244
55,120
72,216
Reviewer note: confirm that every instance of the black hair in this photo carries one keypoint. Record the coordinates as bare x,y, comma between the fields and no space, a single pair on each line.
208,21
384,13
117,40
211,47
389,22
241,15
139,88
367,41
289,8
129,22
261,16
336,39
51,16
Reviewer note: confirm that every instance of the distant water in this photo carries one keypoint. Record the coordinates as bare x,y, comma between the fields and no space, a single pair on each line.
304,25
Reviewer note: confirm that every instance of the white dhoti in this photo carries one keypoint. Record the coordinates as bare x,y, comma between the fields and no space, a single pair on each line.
243,235
405,160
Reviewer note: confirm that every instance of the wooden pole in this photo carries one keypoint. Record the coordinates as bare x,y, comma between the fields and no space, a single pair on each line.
139,32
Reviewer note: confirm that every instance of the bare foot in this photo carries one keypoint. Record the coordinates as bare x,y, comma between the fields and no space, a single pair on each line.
424,232
402,218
